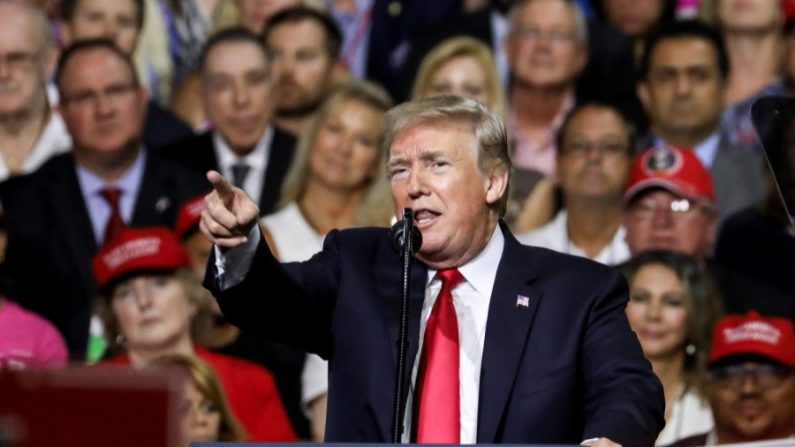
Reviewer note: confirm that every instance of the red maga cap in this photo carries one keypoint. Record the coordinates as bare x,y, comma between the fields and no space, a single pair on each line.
138,249
188,217
673,169
770,337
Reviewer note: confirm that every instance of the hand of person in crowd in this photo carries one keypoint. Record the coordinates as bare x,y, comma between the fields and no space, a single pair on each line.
229,213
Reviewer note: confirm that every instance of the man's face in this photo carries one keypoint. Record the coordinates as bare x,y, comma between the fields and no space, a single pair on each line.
236,90
633,17
101,104
303,66
659,220
758,405
24,62
684,92
433,170
594,158
542,49
745,15
116,20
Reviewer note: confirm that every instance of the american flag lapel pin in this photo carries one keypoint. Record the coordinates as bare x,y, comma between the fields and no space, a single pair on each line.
522,301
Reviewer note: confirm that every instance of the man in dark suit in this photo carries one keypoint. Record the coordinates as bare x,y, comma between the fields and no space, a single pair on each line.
121,21
508,343
58,216
237,91
683,83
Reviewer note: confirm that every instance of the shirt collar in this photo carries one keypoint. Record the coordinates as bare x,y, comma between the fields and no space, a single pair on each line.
481,271
255,159
705,150
129,182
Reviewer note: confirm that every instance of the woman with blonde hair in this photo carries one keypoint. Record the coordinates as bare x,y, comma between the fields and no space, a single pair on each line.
337,180
206,415
461,66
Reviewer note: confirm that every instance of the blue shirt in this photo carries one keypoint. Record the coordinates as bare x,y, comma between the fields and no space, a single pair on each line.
99,210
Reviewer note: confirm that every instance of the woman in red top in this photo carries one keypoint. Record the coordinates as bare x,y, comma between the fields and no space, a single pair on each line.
152,297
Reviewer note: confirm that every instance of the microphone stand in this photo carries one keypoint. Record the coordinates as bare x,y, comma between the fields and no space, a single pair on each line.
407,249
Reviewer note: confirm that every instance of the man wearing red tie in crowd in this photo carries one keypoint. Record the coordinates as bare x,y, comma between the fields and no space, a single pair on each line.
507,343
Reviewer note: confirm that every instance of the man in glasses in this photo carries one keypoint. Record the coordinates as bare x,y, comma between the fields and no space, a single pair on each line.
751,384
30,131
669,203
58,216
593,159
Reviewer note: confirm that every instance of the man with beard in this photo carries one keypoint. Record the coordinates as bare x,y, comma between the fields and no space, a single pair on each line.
683,83
305,46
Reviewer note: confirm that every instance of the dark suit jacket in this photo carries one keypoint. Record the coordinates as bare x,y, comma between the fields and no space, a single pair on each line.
162,128
198,154
738,175
51,241
563,369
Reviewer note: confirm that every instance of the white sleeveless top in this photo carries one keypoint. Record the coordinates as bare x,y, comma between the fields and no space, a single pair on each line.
297,241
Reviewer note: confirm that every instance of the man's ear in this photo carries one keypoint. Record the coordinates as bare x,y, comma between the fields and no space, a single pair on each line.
496,184
643,95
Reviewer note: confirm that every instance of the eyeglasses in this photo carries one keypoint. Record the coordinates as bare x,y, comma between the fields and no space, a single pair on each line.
533,34
603,148
20,60
679,208
765,376
90,98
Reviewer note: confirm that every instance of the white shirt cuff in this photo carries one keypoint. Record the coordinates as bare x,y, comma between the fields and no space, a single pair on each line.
232,265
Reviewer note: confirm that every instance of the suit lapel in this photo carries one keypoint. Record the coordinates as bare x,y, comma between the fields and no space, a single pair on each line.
513,305
389,277
73,220
153,201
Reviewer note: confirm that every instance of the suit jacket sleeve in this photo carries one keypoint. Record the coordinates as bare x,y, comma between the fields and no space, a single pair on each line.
623,398
289,303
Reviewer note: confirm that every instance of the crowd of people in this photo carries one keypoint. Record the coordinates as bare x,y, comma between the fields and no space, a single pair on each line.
629,130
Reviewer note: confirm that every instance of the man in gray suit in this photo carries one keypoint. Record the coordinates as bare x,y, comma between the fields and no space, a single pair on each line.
683,86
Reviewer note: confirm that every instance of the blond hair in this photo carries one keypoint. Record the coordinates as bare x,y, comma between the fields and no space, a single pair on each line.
487,127
452,48
374,210
208,384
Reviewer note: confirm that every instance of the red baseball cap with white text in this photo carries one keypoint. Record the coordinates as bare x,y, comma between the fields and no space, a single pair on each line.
138,249
753,334
188,217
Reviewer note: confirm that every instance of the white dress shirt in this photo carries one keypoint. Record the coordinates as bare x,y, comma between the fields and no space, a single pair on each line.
471,299
555,236
257,160
54,140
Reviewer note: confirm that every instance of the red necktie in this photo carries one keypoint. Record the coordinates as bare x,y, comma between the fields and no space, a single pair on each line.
438,417
115,222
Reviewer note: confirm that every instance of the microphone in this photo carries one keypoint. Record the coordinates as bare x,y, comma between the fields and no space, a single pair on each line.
403,226
407,240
